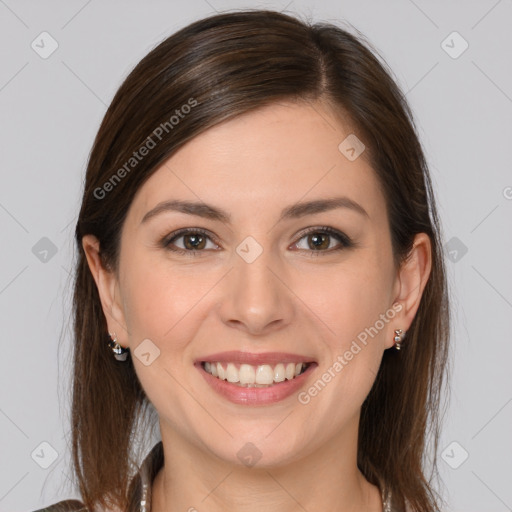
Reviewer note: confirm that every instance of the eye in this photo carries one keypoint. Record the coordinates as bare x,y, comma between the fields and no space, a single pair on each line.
319,240
193,241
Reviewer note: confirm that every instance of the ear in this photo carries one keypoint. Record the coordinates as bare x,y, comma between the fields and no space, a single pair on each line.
411,280
108,289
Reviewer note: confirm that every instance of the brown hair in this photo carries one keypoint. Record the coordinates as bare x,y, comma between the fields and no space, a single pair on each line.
224,66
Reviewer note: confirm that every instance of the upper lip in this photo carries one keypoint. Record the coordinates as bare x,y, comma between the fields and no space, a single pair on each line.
270,358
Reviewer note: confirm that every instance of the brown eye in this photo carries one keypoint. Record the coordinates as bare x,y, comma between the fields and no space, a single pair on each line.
188,241
194,241
320,240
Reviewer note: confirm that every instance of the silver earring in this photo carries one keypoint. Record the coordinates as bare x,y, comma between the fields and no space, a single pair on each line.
120,353
398,338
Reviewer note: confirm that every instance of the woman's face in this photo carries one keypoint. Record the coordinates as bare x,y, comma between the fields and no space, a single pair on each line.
266,278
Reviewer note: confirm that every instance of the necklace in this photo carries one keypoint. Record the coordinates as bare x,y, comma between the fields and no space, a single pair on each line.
386,501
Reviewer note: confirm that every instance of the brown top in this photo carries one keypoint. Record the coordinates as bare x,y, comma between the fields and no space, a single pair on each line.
140,489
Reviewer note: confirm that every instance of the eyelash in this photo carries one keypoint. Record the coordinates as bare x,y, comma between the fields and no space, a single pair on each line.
345,241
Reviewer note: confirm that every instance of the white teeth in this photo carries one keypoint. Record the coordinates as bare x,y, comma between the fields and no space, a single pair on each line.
232,373
264,374
254,376
247,374
279,373
290,371
221,372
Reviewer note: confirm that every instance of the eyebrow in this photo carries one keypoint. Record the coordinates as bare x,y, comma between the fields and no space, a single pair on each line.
291,212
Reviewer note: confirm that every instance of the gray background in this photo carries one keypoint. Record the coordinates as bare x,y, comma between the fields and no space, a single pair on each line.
51,109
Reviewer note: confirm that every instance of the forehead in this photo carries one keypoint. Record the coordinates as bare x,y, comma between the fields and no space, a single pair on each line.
265,159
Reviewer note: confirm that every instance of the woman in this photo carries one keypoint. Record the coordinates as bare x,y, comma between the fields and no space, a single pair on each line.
260,262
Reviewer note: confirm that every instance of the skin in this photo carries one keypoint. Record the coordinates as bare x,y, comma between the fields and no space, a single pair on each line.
291,298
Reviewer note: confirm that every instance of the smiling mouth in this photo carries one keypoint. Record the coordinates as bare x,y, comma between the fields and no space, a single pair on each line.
255,376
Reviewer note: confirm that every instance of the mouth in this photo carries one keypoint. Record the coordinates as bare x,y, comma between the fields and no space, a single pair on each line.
255,379
255,376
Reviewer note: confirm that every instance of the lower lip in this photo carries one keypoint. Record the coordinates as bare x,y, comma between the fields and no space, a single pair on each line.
256,396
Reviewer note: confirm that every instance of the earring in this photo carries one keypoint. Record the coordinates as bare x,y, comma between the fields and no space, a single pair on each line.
120,353
398,338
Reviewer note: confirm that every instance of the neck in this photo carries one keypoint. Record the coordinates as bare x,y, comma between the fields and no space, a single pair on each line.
326,479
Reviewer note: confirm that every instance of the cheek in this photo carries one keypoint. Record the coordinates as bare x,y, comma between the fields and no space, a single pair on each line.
163,301
147,309
353,302
347,299
159,306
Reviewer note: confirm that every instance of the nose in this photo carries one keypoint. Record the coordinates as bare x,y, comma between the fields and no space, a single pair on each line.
256,298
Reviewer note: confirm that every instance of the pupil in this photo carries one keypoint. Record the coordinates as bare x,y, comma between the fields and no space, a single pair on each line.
196,241
318,240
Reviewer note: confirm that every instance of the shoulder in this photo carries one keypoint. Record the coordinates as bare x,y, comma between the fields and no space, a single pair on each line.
140,488
65,506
